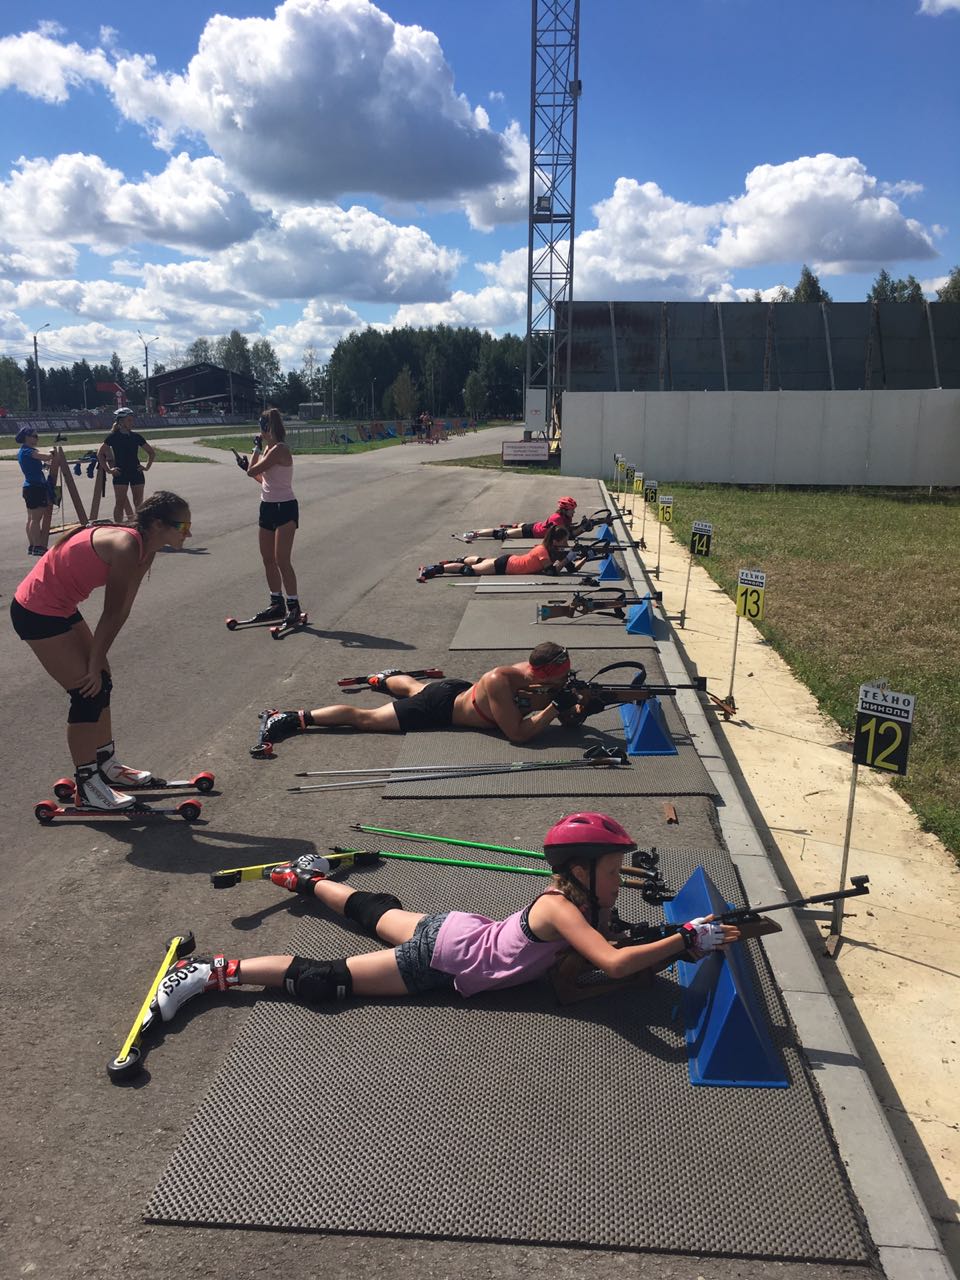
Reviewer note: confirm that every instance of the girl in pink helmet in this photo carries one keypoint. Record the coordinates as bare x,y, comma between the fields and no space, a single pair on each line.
562,518
457,950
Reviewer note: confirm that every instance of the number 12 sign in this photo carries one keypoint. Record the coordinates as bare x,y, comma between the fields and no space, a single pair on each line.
881,738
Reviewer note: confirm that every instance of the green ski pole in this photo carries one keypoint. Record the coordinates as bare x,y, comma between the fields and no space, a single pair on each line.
449,862
465,844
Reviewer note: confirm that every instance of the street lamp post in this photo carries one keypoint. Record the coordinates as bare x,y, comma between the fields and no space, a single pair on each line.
85,381
372,384
146,364
36,363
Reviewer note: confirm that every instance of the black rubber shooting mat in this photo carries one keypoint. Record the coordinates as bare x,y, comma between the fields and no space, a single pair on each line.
507,1117
503,621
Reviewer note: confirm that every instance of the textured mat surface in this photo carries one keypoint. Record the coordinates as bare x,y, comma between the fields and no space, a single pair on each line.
496,622
679,775
475,1119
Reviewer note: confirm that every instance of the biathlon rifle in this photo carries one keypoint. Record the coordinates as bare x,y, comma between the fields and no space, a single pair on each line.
612,601
601,516
577,699
751,921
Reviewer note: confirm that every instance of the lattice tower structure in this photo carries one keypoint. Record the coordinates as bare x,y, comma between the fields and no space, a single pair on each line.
554,96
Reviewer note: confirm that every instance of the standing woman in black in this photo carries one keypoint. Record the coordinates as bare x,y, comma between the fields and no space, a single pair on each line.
120,456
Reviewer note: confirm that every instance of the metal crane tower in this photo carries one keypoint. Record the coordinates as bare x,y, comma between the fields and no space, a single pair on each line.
554,95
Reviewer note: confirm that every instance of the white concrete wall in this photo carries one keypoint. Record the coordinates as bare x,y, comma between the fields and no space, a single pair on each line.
772,437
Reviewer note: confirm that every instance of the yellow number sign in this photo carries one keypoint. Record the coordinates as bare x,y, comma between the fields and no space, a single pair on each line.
751,585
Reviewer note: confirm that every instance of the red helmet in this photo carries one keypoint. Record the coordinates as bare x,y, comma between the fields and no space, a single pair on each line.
567,504
585,837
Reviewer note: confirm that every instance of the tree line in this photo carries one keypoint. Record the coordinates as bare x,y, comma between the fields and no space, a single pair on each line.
371,373
884,289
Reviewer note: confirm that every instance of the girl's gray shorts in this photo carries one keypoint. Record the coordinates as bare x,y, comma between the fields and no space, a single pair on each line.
414,956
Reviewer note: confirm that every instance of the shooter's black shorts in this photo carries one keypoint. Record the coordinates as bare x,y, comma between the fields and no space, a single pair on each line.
431,708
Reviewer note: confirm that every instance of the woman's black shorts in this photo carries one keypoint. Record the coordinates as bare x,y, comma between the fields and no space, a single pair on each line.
36,496
500,564
527,530
130,477
431,708
40,626
273,515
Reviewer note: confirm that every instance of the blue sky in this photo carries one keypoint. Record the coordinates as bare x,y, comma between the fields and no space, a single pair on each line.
300,170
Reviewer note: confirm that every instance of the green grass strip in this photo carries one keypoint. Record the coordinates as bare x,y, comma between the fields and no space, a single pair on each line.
861,584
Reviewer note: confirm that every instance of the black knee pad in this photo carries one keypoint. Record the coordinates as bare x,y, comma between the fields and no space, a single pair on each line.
85,710
365,909
467,571
318,981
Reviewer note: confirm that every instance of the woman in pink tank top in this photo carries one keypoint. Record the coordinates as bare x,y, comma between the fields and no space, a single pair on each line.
271,465
44,613
457,950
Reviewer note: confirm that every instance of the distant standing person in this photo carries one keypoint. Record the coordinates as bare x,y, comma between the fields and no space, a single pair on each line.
271,465
36,493
120,456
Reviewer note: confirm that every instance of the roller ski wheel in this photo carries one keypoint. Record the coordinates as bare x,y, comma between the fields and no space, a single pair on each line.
120,1069
48,811
288,626
65,789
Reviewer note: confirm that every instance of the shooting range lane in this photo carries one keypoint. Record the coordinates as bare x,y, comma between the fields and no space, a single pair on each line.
682,774
498,622
504,1076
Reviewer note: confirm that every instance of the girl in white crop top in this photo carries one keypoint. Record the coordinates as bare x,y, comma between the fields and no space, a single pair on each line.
271,465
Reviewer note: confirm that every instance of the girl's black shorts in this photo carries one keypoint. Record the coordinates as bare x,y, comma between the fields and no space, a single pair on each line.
273,515
40,626
36,496
130,477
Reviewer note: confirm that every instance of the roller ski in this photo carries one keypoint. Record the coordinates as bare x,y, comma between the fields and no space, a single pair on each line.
378,679
129,1061
266,617
293,620
299,876
127,779
274,727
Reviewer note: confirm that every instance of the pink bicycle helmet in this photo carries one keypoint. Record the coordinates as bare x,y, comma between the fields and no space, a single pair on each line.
584,837
567,504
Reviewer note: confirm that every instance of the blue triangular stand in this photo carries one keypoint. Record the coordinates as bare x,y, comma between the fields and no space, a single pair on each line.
647,732
610,571
640,617
725,1027
605,534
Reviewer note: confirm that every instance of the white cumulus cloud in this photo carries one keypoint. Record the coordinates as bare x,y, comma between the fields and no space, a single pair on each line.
78,198
936,7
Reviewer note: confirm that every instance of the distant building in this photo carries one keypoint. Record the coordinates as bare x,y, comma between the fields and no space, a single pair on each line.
206,388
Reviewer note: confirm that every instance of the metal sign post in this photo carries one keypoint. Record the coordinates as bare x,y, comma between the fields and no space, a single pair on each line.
751,584
650,488
664,516
881,740
629,479
700,540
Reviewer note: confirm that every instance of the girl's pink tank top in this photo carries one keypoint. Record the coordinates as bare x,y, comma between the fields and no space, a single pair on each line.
67,574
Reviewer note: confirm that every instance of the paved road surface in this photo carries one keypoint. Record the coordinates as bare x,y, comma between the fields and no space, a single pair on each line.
85,910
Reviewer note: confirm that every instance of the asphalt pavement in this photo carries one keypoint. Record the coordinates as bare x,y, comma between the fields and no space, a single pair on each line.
86,909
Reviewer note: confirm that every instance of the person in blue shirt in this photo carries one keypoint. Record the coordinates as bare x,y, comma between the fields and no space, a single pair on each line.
36,494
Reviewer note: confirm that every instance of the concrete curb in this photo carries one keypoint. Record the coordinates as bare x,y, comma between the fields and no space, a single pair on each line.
897,1219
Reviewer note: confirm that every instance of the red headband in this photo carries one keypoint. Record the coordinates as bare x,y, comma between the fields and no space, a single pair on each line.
558,668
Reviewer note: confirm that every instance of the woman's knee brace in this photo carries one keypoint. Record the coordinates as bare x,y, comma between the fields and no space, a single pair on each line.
318,981
365,909
87,710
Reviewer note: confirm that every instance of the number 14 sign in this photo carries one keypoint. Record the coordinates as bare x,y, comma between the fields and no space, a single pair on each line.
881,738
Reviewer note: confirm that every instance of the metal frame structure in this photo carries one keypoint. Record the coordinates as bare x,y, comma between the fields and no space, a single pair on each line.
554,95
